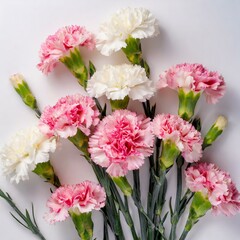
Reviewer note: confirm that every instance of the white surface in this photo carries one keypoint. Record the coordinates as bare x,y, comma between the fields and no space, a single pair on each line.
200,31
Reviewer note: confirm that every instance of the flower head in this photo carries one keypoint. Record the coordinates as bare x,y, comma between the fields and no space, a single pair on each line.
186,138
78,198
121,142
217,185
196,78
69,114
118,82
135,22
59,44
26,149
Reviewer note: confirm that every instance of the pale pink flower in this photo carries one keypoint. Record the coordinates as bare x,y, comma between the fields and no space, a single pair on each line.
78,198
121,142
196,78
69,114
187,139
217,185
59,44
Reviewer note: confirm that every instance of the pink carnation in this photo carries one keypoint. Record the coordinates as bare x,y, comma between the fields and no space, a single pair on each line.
182,133
59,44
69,114
217,185
121,142
194,77
79,198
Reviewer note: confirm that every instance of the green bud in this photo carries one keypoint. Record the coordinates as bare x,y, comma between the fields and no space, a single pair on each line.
75,64
199,207
80,140
119,104
124,185
83,224
215,131
22,88
169,154
187,103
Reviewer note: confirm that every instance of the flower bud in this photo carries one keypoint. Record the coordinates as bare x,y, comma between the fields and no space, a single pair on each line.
215,131
187,103
22,88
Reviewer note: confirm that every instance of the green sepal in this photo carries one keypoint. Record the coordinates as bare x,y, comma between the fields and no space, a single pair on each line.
124,185
199,207
80,140
83,224
119,104
169,154
187,103
91,68
25,93
197,124
133,52
45,170
76,65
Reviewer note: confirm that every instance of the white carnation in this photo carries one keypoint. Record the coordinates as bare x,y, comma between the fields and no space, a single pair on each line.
135,22
25,150
117,82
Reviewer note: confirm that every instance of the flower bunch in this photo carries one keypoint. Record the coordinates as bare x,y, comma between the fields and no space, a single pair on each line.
117,142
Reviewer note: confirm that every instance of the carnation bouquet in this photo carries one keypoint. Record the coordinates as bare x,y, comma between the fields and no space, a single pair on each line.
118,141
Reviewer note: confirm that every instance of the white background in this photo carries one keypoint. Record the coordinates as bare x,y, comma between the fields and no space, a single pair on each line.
200,31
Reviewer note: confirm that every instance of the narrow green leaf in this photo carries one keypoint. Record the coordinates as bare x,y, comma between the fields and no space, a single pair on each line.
19,221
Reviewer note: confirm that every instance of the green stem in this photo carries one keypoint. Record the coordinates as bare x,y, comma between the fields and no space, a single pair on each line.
159,205
176,214
137,197
124,211
138,204
111,210
38,112
199,207
184,235
150,231
105,230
